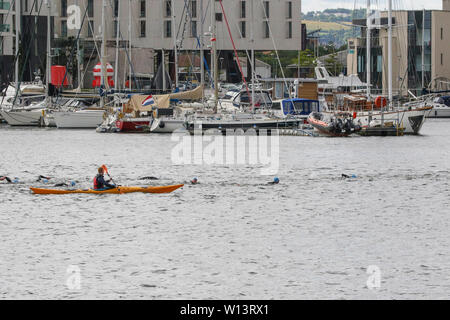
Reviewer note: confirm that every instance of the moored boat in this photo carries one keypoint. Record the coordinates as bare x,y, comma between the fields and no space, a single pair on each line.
332,125
80,119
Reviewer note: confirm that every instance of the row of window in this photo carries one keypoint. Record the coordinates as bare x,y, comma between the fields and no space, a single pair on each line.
168,29
168,9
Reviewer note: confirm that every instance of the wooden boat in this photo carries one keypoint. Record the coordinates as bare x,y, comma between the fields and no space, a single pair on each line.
118,190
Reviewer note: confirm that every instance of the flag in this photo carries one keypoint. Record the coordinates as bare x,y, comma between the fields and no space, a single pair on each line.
148,101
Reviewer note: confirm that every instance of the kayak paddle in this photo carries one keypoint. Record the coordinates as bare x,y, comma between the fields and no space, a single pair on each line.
107,172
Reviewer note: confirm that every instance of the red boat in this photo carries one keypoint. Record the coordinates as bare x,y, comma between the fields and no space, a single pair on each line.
133,124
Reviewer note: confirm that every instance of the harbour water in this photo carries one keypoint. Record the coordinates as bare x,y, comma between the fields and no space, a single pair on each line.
232,236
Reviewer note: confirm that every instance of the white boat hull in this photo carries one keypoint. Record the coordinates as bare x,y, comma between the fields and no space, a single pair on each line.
79,119
166,125
440,112
412,120
22,118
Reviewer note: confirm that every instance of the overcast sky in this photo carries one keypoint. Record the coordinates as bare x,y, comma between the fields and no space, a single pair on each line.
314,5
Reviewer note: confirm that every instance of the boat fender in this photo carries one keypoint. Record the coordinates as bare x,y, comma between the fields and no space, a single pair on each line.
162,124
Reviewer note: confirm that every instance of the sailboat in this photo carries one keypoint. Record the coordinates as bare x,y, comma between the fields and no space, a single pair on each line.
410,118
22,104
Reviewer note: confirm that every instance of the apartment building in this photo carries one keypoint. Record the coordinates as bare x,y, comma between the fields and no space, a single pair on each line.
33,38
421,54
154,24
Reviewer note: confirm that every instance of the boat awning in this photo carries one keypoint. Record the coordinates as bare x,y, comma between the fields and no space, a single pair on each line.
161,101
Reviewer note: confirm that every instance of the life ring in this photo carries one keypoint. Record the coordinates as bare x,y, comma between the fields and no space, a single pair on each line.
380,102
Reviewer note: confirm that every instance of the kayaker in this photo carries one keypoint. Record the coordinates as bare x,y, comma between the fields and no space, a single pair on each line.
99,181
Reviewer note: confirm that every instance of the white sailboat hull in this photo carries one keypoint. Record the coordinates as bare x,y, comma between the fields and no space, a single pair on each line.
440,112
79,119
412,120
22,118
166,125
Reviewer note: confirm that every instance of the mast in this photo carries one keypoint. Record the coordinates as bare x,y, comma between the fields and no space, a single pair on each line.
252,40
103,52
116,76
390,71
202,53
368,53
49,57
175,45
214,59
18,28
129,44
79,60
423,49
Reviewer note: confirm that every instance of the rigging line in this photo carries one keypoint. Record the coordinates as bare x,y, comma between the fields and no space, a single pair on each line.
199,46
33,35
274,45
72,52
235,50
251,65
127,55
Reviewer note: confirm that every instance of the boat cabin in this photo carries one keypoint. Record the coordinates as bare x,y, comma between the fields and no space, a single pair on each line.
296,106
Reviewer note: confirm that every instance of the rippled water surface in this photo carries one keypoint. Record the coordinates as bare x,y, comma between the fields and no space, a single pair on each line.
232,236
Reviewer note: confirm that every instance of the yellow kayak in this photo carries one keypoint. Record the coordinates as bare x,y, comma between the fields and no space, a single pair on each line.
118,190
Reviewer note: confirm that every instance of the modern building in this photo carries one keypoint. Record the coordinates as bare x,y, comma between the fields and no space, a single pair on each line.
154,26
33,39
421,54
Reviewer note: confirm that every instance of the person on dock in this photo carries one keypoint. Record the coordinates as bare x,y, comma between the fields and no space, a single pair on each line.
99,181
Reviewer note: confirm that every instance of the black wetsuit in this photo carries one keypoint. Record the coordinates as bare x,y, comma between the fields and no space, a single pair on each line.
100,183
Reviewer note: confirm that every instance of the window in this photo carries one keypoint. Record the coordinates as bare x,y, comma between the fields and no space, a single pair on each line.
266,11
289,30
64,29
142,22
442,33
168,7
243,10
143,8
63,8
25,6
194,9
379,64
115,27
194,29
219,17
116,8
266,29
289,10
91,29
90,8
168,29
442,59
243,30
